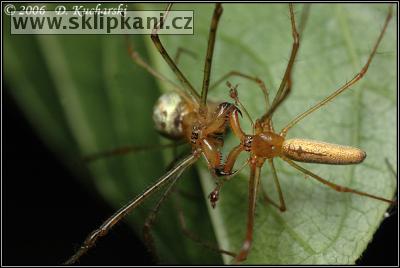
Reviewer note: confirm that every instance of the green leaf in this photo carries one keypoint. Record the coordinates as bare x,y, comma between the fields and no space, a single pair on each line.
320,226
83,94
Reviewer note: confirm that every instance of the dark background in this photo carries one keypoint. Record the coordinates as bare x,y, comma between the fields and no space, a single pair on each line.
41,198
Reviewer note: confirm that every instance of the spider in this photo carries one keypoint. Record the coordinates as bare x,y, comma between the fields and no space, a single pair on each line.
265,144
182,114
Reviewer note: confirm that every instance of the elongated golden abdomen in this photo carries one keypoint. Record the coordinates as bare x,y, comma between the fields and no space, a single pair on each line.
311,151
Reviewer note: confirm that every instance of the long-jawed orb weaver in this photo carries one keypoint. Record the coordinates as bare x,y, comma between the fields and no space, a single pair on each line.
178,115
265,143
